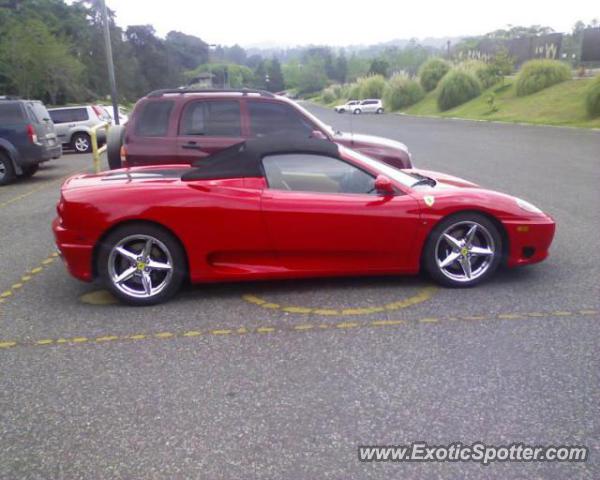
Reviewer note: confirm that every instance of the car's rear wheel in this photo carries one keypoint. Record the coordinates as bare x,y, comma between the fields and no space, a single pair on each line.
341,110
379,111
81,143
357,111
7,172
142,264
463,250
30,171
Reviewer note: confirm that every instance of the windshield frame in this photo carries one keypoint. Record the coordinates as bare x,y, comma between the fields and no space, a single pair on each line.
395,174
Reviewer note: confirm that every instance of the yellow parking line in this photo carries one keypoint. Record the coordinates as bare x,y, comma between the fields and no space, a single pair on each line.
192,333
305,327
421,296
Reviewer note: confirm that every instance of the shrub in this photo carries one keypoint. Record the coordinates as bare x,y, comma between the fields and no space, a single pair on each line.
456,88
354,91
487,74
401,92
372,86
328,95
431,72
592,98
539,74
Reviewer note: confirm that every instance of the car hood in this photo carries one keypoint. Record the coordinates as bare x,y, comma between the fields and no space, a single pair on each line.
359,139
444,180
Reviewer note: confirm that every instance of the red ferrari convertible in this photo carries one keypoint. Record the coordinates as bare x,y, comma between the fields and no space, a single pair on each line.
273,208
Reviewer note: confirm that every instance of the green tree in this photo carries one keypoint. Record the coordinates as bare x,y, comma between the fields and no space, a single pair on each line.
187,50
276,82
379,66
37,64
341,68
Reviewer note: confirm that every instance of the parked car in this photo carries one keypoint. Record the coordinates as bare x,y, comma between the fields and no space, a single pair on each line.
73,125
123,114
371,105
347,107
182,126
27,138
277,207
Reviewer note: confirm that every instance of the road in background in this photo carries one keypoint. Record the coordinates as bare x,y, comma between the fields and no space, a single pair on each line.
234,381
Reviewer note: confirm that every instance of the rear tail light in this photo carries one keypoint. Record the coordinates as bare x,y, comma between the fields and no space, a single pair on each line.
123,154
31,134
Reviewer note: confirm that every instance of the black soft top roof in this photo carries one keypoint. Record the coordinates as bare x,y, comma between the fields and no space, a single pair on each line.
244,159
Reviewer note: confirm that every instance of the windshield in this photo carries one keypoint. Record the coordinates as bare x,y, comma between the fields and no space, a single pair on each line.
395,174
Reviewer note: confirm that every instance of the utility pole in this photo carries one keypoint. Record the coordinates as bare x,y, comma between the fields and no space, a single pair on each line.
109,62
448,45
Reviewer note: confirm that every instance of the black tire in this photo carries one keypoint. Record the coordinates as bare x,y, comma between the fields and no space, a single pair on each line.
7,171
357,111
113,146
30,171
486,228
379,111
166,240
341,110
81,143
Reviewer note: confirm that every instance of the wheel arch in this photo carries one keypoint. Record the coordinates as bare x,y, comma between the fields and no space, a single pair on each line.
124,223
497,223
7,149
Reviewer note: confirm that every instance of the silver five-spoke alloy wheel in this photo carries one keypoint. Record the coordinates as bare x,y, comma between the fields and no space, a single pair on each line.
2,170
140,266
465,251
82,144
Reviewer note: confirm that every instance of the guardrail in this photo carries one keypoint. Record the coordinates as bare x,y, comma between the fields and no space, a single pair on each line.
96,152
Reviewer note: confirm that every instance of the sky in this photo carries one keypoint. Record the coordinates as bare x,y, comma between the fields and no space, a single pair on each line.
338,23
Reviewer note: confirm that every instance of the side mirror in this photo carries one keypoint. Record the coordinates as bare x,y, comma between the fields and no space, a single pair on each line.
318,134
384,186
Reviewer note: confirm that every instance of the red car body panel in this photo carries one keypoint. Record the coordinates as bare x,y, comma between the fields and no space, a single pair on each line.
238,229
173,148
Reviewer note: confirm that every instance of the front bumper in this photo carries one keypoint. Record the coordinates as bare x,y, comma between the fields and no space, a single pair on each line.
75,252
529,241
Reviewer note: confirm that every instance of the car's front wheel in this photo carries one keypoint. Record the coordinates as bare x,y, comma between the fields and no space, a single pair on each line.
142,264
81,143
463,250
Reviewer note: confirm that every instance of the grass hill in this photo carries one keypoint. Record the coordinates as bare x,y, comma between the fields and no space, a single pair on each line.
561,104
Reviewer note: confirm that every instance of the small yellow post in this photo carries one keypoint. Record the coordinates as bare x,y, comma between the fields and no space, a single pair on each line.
96,152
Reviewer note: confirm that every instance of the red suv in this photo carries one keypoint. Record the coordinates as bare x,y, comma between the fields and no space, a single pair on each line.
181,126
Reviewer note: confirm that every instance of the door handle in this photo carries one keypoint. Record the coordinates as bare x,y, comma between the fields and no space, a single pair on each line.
191,146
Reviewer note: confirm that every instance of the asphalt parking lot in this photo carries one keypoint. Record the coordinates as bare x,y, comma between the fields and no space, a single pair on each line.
285,379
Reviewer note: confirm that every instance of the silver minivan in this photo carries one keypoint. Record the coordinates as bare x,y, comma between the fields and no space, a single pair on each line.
73,125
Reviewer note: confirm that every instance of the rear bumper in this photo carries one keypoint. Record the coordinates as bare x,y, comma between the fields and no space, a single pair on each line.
39,153
76,254
529,242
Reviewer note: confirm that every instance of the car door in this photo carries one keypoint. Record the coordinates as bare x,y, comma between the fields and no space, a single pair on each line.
151,138
208,126
323,215
367,106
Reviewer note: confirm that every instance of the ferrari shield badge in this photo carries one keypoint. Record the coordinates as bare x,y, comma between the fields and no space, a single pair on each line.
429,200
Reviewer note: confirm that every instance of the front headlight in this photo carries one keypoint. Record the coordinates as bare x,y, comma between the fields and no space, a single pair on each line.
528,207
